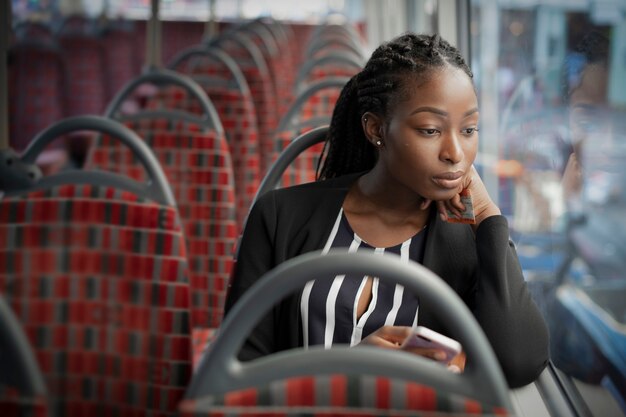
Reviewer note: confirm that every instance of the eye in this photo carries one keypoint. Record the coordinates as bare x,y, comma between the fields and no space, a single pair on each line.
428,132
469,131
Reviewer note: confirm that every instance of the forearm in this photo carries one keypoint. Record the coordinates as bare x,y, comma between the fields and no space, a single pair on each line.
504,308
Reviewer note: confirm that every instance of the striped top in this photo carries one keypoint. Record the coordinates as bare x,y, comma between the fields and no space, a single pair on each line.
329,308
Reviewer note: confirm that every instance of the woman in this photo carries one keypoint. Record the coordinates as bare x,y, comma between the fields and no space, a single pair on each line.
401,145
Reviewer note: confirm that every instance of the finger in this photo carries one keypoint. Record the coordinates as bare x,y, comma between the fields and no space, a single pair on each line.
394,334
380,342
425,204
451,209
457,204
441,209
454,369
434,354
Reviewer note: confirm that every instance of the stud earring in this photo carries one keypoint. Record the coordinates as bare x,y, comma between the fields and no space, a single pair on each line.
378,143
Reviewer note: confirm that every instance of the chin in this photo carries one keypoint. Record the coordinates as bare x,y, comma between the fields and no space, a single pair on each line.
441,195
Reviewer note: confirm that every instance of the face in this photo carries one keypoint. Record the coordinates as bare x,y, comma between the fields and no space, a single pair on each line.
588,104
430,139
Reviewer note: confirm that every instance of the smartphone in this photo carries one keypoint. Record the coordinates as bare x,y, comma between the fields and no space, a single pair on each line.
423,337
467,216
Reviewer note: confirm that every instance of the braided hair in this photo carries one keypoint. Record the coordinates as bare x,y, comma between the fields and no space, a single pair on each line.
377,89
592,49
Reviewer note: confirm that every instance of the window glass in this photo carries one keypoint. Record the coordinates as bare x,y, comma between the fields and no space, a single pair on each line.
225,9
191,10
552,84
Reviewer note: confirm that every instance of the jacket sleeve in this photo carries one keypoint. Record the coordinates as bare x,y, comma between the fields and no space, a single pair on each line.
504,308
255,257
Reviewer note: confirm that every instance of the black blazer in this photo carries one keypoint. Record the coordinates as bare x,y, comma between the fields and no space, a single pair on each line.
483,269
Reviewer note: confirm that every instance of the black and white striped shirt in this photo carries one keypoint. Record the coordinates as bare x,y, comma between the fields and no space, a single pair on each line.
329,308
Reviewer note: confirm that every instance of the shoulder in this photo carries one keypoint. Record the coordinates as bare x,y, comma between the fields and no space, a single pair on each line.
304,195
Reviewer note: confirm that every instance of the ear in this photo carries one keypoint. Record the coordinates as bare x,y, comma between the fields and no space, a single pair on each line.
373,128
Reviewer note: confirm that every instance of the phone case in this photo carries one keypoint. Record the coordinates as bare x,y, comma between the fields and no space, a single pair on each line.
467,216
424,337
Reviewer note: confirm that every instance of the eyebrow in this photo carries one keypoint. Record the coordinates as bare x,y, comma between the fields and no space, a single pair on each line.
441,112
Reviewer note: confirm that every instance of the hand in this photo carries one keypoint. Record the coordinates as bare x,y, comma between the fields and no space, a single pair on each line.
483,205
572,177
457,364
391,337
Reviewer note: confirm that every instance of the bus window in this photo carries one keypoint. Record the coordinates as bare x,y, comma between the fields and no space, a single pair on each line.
551,81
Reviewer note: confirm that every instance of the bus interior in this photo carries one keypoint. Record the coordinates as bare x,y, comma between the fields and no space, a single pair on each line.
135,135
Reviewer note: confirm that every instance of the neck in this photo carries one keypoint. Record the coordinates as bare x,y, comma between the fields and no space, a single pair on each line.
388,200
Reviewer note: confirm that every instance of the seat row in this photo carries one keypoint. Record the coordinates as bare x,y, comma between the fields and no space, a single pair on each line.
109,269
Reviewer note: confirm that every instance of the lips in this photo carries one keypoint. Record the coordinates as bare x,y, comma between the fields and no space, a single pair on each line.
449,180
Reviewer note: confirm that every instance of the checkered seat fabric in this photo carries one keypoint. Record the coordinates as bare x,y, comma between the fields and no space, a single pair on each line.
99,279
337,395
120,48
22,390
314,112
257,74
85,65
14,404
198,167
303,169
36,78
282,74
237,114
326,71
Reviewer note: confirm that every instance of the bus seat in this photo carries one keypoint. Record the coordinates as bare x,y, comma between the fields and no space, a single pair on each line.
257,73
338,395
313,108
94,267
121,53
36,76
221,78
22,388
341,36
281,73
84,56
344,380
332,64
291,150
194,154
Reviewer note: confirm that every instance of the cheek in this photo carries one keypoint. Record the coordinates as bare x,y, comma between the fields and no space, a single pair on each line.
471,149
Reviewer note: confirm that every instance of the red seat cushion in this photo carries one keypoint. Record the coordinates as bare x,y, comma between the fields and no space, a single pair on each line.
99,279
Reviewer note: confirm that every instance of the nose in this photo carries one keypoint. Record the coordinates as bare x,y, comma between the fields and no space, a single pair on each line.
451,150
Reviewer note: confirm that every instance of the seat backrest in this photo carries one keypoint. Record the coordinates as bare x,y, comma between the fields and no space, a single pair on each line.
94,266
36,86
22,388
313,108
257,73
196,160
281,71
339,395
198,168
380,379
221,78
84,58
121,55
332,64
292,149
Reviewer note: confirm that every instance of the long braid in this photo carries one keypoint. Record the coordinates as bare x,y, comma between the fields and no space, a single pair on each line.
377,88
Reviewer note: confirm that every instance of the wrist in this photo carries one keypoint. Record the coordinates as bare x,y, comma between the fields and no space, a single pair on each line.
491,210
